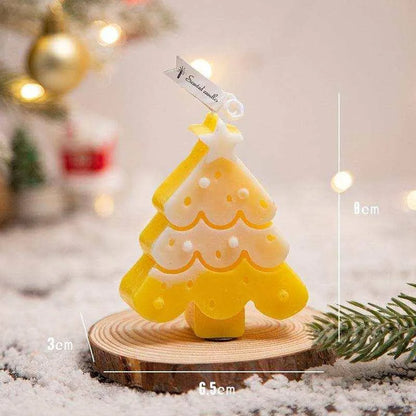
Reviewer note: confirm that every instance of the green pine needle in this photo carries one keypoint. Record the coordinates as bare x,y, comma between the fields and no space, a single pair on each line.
368,331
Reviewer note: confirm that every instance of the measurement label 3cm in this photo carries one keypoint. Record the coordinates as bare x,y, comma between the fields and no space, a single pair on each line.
54,345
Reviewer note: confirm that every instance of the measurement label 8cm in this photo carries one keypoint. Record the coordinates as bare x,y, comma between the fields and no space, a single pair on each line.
361,209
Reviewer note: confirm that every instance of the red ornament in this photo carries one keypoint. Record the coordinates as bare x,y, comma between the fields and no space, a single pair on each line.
88,160
90,143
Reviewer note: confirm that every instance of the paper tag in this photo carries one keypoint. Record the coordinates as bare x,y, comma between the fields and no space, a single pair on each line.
205,90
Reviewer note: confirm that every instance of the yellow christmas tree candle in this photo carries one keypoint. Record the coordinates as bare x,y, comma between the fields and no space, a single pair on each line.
212,246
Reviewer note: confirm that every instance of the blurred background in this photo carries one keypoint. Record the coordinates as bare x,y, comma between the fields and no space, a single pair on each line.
90,126
96,130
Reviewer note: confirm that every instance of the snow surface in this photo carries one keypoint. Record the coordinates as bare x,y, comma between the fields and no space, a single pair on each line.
49,273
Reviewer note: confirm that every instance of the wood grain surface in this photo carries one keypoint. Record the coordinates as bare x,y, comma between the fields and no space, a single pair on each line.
169,358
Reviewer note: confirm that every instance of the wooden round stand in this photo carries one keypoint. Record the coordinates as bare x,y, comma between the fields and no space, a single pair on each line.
169,358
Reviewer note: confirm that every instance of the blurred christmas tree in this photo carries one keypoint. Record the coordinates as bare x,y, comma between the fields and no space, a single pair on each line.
5,193
26,170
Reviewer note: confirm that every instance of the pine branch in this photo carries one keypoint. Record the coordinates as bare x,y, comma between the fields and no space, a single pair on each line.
145,19
369,331
23,16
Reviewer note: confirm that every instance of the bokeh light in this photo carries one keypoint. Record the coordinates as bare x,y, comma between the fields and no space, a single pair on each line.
411,200
342,181
202,66
110,34
104,205
31,91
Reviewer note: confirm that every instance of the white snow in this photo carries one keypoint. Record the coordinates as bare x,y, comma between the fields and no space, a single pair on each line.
50,273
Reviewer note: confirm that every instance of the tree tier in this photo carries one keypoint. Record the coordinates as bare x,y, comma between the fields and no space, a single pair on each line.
174,249
160,297
219,189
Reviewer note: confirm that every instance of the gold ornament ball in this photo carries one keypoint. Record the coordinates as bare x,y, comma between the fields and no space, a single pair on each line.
58,62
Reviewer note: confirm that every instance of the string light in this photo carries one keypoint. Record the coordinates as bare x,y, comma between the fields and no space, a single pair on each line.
110,34
202,66
31,91
411,200
27,90
104,205
341,181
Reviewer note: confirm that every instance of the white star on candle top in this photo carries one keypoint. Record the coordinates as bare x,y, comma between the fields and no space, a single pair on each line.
221,142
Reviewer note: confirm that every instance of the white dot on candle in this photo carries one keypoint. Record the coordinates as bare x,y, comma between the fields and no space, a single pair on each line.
243,193
187,246
233,242
341,181
204,182
411,200
202,66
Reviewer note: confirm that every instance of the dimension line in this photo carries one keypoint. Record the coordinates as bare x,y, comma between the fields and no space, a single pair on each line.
215,371
339,219
86,336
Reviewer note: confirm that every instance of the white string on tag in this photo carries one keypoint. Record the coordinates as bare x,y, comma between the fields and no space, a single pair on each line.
206,91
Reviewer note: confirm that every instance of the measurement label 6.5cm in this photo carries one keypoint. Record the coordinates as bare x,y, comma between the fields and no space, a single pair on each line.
54,345
213,389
